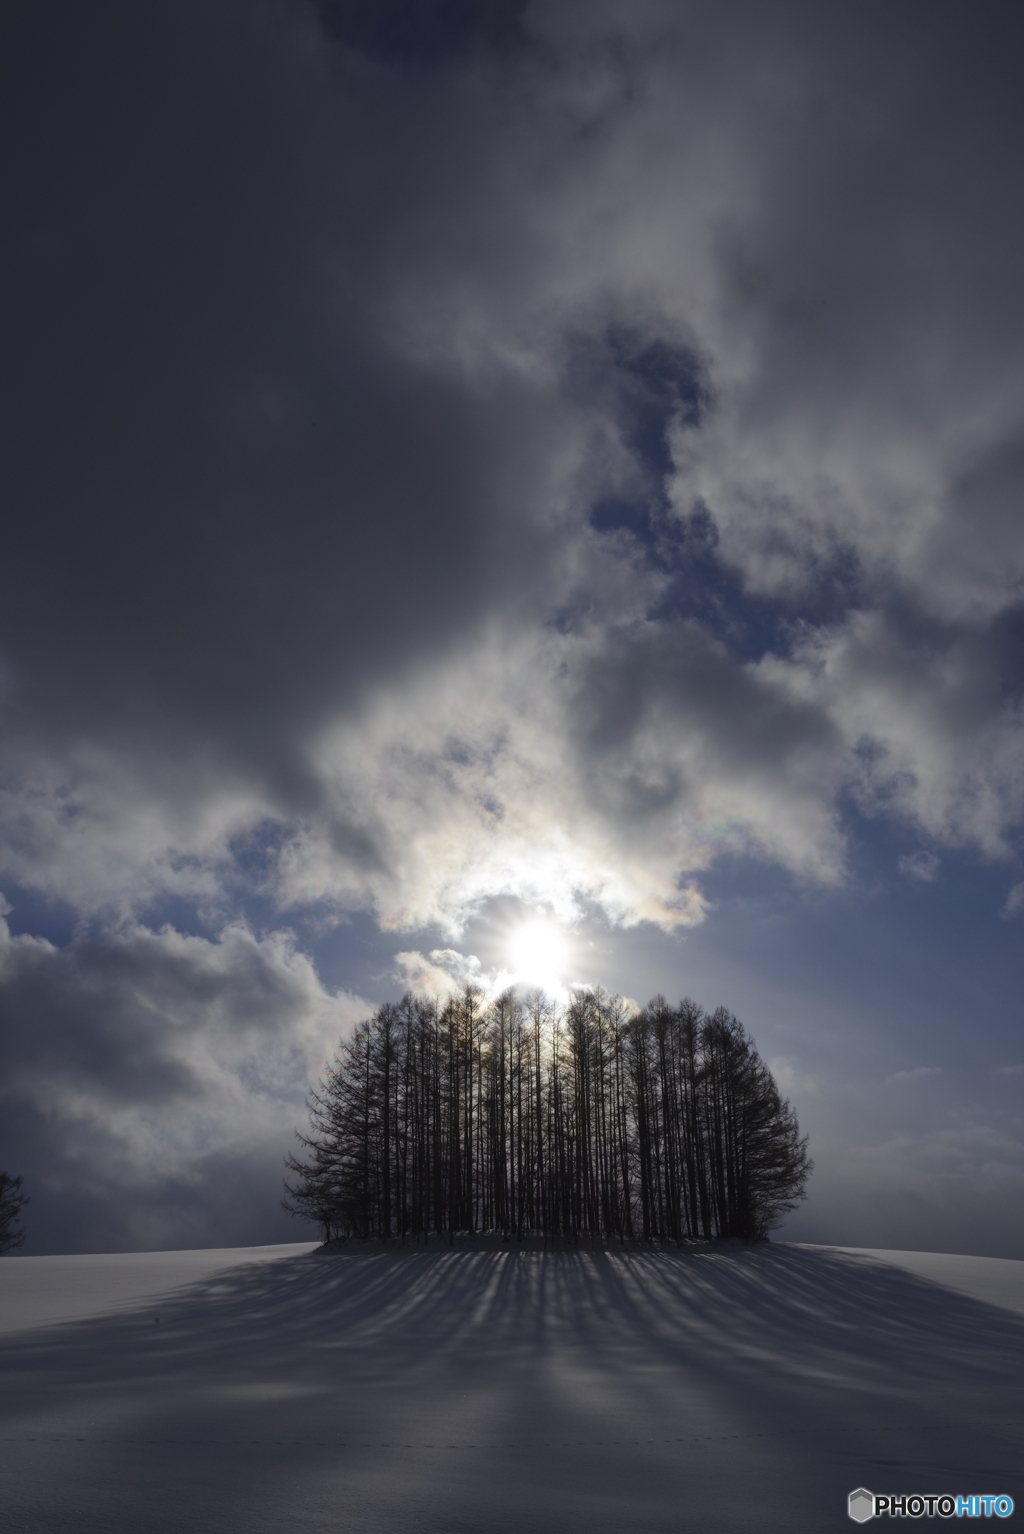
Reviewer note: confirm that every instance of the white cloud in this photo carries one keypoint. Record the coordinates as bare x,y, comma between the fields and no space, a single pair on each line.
504,773
916,745
443,972
790,1077
920,865
917,1073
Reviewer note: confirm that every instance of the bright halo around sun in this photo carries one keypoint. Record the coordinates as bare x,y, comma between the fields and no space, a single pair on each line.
539,953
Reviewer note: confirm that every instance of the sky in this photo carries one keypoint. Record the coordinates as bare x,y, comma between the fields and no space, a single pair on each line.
472,468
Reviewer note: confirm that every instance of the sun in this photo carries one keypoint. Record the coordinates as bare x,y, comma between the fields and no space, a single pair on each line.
538,951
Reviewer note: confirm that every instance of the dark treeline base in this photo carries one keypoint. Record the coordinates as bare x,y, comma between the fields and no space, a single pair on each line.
530,1242
523,1119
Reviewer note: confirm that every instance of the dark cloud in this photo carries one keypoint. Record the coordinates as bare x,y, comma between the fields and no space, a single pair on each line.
146,1071
231,501
422,33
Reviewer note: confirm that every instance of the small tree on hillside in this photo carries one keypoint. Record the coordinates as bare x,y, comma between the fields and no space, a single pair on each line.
12,1202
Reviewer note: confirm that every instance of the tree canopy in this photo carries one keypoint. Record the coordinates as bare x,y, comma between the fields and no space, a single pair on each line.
525,1118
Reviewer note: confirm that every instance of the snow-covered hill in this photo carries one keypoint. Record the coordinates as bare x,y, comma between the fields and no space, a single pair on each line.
719,1389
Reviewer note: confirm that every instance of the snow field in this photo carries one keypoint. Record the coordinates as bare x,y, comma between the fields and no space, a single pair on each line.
710,1389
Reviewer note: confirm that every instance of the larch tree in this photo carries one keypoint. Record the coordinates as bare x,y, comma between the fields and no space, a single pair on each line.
594,1120
12,1202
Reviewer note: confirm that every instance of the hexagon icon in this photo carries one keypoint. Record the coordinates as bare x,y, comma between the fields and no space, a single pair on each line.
862,1505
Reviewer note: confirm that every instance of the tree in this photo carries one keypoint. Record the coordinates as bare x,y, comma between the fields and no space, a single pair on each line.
12,1202
595,1121
758,1162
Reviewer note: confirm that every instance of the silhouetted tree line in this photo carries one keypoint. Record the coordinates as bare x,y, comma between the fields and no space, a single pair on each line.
523,1118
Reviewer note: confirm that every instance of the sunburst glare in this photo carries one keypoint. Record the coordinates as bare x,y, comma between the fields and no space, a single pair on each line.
539,952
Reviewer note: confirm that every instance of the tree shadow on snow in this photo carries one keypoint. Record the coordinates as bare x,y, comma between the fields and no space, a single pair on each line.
612,1376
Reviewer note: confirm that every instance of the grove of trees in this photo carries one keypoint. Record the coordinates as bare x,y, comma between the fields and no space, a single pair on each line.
590,1120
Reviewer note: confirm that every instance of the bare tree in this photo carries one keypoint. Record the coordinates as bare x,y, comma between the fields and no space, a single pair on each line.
12,1202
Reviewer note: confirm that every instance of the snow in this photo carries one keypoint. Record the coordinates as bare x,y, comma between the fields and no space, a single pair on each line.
37,1290
723,1389
994,1280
